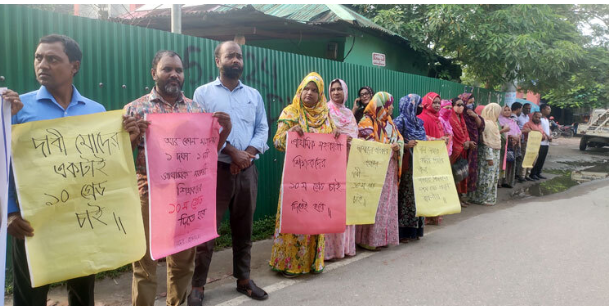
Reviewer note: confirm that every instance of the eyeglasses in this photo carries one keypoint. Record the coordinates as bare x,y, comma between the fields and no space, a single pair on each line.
459,105
365,94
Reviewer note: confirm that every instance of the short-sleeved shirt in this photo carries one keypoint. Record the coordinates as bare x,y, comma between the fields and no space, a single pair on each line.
546,128
247,114
154,103
41,105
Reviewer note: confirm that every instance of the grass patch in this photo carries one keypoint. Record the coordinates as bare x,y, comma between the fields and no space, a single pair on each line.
262,229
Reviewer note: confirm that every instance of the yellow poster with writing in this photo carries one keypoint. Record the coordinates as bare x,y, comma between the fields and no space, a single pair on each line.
76,185
435,193
532,149
365,176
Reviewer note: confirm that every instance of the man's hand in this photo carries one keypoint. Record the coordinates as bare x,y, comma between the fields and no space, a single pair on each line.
13,98
143,125
234,169
130,124
241,158
224,120
18,227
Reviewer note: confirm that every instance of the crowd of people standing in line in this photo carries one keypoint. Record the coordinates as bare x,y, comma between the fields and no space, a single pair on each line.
475,137
486,143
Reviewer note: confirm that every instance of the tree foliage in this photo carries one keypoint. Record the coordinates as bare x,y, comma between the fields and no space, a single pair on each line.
540,47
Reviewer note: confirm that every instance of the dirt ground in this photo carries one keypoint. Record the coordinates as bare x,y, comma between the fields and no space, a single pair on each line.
564,157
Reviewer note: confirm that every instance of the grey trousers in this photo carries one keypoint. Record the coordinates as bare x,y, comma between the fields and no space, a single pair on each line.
238,193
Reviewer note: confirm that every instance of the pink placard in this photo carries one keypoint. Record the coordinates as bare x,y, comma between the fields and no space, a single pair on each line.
313,190
181,154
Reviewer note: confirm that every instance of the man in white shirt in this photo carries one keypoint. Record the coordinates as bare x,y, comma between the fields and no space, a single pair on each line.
524,117
536,172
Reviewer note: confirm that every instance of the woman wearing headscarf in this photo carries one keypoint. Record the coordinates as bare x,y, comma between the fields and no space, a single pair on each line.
339,245
411,128
513,138
461,141
377,125
475,126
446,109
488,158
434,130
308,113
364,95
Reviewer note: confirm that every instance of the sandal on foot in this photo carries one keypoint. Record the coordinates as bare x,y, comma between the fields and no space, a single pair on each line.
195,298
251,290
288,275
367,247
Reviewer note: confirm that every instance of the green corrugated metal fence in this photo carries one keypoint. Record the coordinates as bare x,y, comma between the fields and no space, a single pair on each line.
116,70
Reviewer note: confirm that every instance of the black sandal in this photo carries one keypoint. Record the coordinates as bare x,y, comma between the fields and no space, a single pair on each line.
251,290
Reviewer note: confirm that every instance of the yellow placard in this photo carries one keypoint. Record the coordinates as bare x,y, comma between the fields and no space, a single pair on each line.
532,149
365,176
435,193
76,185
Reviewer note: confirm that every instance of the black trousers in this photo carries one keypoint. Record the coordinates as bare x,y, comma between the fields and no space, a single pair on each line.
239,194
80,290
537,169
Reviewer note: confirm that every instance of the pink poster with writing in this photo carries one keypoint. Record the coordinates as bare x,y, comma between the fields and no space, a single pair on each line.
181,152
313,190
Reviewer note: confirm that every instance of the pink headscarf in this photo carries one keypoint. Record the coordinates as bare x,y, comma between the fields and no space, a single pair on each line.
514,128
342,117
445,120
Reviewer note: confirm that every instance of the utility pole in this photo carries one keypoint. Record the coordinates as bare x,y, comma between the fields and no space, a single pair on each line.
175,18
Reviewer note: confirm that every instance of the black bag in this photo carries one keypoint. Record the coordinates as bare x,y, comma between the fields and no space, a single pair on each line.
460,169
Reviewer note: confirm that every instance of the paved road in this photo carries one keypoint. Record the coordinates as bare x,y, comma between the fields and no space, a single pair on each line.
550,251
536,251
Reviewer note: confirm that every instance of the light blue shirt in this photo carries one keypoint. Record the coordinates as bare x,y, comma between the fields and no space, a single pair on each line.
247,113
41,105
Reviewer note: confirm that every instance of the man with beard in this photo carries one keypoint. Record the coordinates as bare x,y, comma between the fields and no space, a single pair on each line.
535,124
536,172
166,97
236,174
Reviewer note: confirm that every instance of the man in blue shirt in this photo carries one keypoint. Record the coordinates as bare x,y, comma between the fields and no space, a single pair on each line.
236,174
56,60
